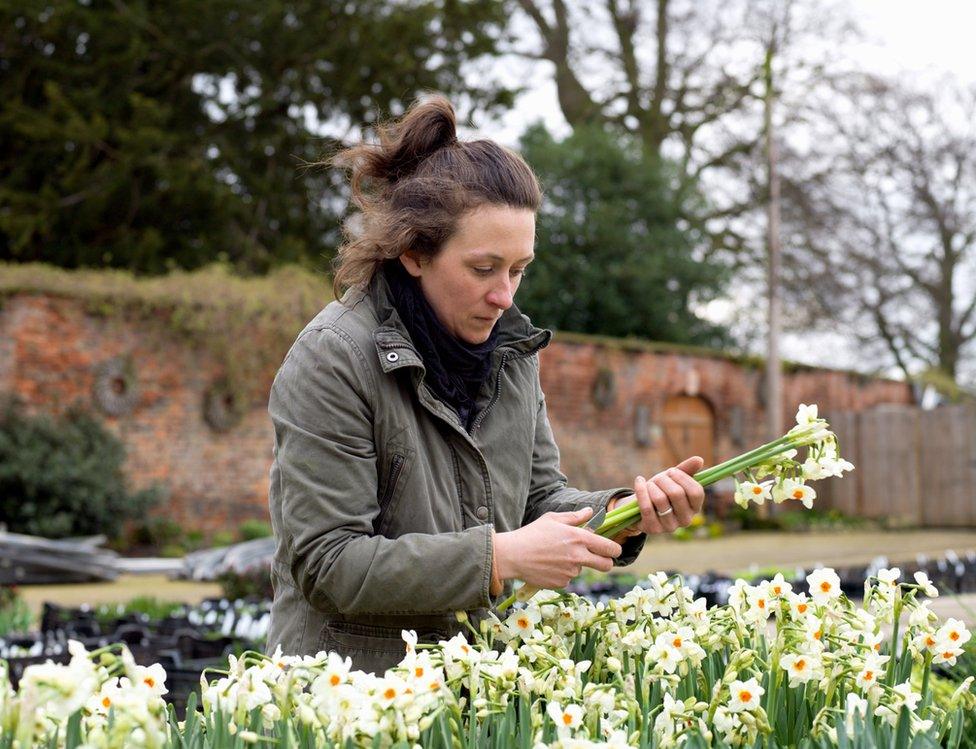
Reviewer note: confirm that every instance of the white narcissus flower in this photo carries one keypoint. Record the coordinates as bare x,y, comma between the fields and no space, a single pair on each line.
824,585
566,718
799,604
521,622
748,491
795,490
926,585
900,696
870,672
947,654
888,577
806,414
922,616
778,587
953,632
744,695
802,667
854,706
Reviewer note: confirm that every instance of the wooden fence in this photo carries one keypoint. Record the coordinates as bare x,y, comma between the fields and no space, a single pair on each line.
911,466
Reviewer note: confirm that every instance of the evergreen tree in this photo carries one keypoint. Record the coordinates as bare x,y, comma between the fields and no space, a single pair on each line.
146,134
612,255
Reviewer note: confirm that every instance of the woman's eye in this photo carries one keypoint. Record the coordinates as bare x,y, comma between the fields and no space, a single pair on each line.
522,272
484,271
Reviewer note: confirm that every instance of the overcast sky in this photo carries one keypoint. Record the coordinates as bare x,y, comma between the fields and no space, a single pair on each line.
930,38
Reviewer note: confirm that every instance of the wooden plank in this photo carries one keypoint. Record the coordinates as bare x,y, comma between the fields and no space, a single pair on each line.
947,466
843,494
888,448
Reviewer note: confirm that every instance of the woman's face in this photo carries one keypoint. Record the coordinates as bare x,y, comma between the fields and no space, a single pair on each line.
474,277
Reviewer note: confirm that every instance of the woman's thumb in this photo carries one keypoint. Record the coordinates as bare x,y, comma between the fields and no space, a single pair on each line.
691,465
575,517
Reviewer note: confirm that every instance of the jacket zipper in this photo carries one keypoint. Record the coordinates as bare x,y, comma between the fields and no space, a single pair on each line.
494,395
391,484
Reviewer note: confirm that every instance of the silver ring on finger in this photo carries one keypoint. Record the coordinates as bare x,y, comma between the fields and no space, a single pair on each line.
666,512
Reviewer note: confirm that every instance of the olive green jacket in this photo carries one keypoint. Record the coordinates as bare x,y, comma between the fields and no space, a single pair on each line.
382,503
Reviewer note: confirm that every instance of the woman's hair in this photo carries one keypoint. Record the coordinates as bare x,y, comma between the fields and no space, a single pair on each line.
415,184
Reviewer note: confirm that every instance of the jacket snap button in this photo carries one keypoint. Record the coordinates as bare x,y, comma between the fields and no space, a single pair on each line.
482,512
392,356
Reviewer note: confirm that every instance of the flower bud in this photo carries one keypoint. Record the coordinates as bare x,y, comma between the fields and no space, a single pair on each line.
613,665
461,616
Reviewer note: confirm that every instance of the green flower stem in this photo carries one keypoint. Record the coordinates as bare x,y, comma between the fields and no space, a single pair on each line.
624,515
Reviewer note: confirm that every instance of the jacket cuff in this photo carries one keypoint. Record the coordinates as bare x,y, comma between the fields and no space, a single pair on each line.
496,586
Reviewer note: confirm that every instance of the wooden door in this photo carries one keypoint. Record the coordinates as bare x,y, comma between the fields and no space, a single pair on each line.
688,428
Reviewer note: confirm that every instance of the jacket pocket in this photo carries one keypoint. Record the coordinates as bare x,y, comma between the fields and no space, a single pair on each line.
397,467
372,648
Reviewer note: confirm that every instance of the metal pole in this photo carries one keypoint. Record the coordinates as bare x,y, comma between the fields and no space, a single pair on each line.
774,380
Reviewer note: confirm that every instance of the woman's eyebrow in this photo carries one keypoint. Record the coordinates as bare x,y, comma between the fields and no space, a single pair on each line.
498,258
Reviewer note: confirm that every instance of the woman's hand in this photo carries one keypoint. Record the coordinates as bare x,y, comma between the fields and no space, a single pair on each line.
673,492
551,551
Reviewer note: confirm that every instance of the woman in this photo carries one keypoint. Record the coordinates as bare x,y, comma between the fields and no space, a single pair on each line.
415,472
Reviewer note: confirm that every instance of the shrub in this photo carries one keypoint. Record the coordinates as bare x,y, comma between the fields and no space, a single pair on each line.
252,529
15,616
62,476
255,582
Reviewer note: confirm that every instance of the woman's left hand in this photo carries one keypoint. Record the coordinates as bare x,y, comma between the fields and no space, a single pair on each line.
672,492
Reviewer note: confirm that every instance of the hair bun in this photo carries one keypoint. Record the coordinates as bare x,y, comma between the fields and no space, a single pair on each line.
428,126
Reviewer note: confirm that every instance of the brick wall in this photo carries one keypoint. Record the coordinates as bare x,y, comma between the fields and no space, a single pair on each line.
50,348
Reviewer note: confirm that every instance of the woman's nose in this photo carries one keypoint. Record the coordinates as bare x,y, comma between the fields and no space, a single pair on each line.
502,295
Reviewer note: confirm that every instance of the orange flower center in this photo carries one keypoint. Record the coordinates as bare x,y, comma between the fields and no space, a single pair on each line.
106,702
757,490
947,656
761,603
825,586
868,675
953,635
800,665
777,590
816,635
334,680
523,623
930,641
802,608
390,693
745,695
676,642
150,682
567,718
419,671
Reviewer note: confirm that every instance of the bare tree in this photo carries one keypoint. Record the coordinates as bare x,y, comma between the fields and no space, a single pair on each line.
685,76
884,222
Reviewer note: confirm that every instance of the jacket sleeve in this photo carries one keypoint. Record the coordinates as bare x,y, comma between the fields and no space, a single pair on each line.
326,456
548,490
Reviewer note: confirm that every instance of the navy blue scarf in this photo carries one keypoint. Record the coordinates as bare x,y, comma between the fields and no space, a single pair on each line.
455,370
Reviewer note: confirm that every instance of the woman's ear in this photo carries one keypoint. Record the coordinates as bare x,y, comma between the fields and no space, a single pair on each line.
411,263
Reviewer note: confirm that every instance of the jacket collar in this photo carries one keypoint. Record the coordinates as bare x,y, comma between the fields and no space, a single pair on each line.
516,333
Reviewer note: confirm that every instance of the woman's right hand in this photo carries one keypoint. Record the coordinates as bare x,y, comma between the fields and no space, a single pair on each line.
552,550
